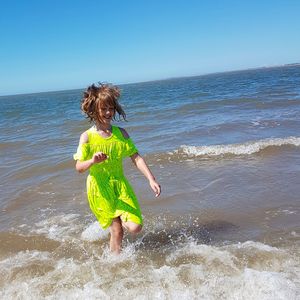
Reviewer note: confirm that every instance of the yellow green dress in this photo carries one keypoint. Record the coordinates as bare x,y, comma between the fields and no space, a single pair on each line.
109,193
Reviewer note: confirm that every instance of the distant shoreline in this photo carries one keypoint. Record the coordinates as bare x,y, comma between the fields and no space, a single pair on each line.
162,79
224,72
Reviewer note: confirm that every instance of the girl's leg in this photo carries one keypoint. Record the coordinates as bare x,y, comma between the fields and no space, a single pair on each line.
116,235
132,227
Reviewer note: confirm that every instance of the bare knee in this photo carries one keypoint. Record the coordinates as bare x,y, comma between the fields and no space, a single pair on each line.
134,228
137,229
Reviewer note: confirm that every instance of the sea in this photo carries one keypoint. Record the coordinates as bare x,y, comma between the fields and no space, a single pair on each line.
225,148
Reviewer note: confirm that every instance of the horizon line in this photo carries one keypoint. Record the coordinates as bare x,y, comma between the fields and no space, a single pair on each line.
162,79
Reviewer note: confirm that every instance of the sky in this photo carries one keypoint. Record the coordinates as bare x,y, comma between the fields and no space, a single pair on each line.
54,45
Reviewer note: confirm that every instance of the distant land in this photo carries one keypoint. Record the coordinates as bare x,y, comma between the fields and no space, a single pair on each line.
295,64
219,72
162,79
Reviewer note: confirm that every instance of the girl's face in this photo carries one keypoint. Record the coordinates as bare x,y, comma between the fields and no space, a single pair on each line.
107,113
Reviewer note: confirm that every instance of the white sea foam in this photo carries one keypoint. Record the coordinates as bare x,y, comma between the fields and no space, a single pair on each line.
94,233
22,259
60,227
67,227
247,148
191,271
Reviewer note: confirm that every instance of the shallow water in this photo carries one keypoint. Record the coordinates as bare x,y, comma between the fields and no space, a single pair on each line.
226,150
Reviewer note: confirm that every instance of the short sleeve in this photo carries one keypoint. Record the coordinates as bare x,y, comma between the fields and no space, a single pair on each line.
82,152
130,147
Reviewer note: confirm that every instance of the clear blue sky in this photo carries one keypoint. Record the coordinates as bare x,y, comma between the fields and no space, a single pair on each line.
61,44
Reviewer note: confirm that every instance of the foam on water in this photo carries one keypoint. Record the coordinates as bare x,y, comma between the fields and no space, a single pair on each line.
192,271
169,261
67,227
94,232
239,149
82,269
58,227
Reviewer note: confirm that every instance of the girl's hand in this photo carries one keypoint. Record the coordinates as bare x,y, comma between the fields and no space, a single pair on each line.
99,157
155,187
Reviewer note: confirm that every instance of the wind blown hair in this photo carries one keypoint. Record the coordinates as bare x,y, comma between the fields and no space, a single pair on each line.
97,96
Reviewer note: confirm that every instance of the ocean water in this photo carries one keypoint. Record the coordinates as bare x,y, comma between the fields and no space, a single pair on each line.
226,150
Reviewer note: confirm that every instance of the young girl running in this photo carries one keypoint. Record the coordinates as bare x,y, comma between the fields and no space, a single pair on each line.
101,150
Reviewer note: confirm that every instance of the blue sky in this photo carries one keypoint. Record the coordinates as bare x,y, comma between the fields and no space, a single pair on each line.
56,45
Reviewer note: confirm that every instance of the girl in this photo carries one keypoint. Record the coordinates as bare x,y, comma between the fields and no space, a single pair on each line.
101,150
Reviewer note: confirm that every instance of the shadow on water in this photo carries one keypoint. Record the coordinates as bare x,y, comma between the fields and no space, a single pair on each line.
157,242
208,233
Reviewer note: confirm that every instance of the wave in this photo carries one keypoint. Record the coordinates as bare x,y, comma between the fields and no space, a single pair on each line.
246,148
249,270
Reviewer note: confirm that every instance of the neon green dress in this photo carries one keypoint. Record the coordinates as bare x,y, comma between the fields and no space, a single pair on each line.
109,193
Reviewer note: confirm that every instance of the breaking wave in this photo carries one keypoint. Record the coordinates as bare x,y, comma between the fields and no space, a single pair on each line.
246,148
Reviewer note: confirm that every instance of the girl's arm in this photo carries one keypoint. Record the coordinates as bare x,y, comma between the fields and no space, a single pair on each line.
142,166
82,166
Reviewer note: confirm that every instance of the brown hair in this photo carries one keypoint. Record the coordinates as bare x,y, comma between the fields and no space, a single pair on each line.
96,95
